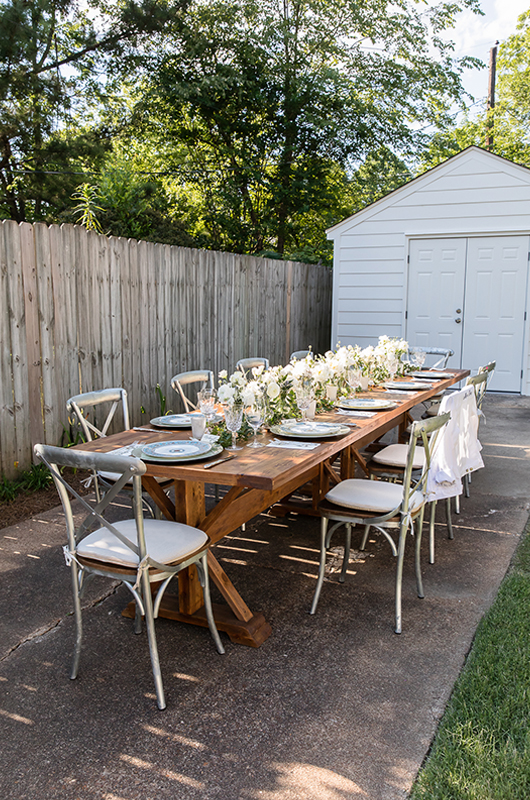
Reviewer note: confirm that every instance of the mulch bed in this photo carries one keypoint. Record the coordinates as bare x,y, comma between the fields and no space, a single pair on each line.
28,504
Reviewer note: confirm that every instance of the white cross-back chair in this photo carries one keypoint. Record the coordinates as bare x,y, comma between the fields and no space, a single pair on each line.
444,354
202,376
479,382
97,403
137,552
246,364
300,354
383,506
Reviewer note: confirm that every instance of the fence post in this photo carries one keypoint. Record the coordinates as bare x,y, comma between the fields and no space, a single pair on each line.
31,312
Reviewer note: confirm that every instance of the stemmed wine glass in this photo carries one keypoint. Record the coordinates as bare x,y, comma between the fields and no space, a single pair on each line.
233,421
206,399
255,414
417,357
392,366
353,377
304,396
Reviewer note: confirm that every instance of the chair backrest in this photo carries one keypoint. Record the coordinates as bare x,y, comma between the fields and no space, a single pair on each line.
300,354
202,376
489,369
479,383
81,403
125,467
444,353
244,364
428,430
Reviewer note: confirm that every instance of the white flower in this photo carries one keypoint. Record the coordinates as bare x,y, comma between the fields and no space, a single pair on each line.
273,390
321,372
248,395
237,379
256,371
223,375
226,393
300,368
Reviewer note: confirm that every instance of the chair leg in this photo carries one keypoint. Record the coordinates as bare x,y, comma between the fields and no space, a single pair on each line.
205,583
322,566
347,548
78,620
365,537
137,619
399,572
431,532
417,554
466,484
151,637
457,504
450,534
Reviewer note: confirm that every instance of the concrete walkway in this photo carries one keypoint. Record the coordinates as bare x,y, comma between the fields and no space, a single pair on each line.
331,707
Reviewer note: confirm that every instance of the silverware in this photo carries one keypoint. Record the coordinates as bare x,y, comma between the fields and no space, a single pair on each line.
218,461
149,430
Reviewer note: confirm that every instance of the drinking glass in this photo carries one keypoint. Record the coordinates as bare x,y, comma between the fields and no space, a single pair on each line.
304,396
392,366
417,357
198,426
206,398
233,420
255,414
353,377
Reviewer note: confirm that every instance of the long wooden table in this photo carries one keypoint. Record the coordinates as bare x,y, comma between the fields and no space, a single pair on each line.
258,479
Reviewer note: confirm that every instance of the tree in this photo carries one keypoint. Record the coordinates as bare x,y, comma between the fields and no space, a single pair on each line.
273,101
53,57
508,121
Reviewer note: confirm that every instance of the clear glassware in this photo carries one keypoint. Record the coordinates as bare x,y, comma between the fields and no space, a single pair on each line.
417,357
304,396
198,426
255,414
392,366
206,402
353,377
233,421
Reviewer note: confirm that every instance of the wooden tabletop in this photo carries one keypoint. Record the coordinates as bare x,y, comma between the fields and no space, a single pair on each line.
267,468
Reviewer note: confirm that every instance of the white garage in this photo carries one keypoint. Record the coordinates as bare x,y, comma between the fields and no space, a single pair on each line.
443,261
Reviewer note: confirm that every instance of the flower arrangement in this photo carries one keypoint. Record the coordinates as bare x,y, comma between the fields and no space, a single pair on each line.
323,377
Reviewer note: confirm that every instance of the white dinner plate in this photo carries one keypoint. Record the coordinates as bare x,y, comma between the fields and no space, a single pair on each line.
365,403
310,430
176,449
178,420
177,452
173,421
432,376
413,386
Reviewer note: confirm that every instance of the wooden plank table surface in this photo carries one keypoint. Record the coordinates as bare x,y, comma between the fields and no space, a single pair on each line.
258,479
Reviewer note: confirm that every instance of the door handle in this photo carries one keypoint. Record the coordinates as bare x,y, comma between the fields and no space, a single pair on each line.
458,320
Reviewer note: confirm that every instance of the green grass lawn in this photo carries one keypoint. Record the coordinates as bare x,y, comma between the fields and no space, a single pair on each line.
482,748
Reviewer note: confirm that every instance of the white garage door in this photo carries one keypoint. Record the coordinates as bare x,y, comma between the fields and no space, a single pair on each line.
470,295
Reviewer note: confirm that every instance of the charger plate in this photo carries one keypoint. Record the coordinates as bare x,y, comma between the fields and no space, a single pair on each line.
177,451
309,430
366,403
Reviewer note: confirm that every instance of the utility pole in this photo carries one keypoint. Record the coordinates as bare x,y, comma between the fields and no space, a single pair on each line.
491,97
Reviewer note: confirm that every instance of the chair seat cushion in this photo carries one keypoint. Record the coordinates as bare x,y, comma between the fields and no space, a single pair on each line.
395,455
376,496
167,542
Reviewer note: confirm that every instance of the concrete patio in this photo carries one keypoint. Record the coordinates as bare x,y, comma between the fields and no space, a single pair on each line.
331,707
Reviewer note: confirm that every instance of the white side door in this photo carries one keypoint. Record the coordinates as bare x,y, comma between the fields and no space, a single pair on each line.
435,304
494,308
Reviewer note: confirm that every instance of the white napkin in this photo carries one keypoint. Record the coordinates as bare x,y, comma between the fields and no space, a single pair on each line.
356,413
293,445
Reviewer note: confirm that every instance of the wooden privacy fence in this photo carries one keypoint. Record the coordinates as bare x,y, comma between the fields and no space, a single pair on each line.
81,312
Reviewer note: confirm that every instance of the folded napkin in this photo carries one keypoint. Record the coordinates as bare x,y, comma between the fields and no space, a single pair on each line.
356,413
292,445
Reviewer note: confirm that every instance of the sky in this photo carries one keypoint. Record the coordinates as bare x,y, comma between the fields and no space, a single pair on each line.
475,36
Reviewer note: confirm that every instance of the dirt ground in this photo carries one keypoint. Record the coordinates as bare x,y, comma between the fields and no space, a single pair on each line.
28,504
